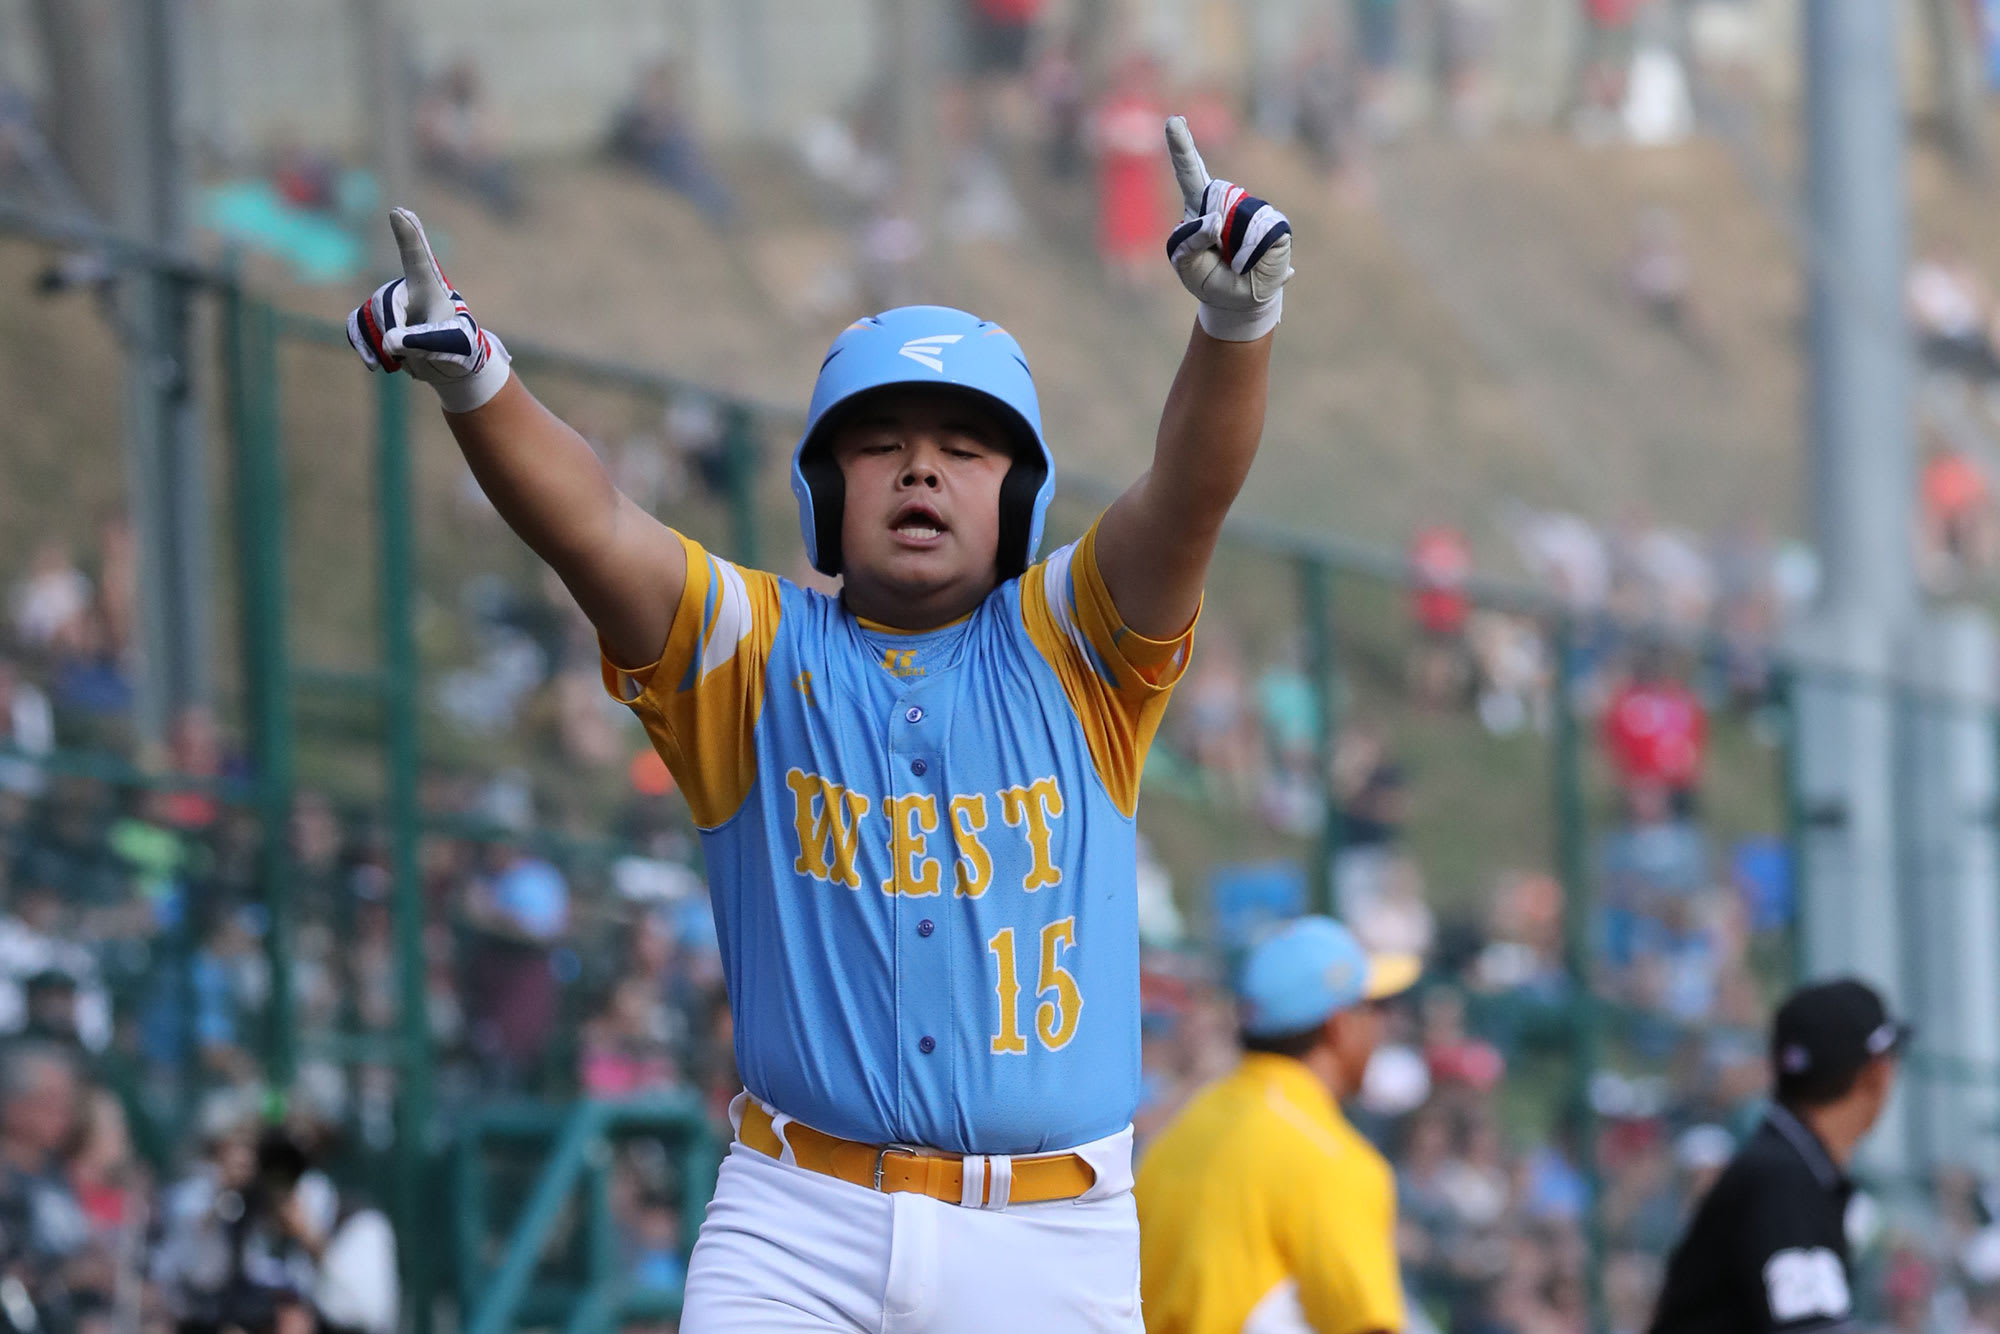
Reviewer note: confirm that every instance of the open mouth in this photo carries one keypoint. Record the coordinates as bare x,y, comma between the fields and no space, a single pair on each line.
918,525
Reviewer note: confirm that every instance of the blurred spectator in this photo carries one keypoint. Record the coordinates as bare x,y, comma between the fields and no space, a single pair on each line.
1371,786
1374,802
1959,534
625,1048
27,733
51,600
1378,42
1748,603
518,913
1294,796
1219,729
1670,569
1566,554
1950,309
998,35
1395,919
1474,1180
1655,734
45,1236
109,1184
306,178
194,750
88,679
1524,953
49,983
228,985
258,1238
1465,34
1604,66
1059,91
1660,272
1458,1060
459,138
655,134
1441,562
658,1261
1331,117
1133,211
1511,672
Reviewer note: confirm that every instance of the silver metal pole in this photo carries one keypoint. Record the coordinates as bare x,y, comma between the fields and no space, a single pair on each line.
1861,461
385,74
166,441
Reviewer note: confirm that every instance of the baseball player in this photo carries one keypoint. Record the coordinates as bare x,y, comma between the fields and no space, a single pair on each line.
1264,1211
916,798
1767,1248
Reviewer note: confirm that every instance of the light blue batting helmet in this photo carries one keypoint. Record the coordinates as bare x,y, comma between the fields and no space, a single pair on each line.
927,346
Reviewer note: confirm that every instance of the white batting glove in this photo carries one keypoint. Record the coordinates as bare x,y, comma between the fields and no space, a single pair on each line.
1233,250
417,323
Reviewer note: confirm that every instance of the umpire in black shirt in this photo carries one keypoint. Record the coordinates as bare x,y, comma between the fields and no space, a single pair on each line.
1767,1249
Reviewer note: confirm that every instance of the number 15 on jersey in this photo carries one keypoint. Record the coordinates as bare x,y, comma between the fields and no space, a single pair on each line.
1056,1016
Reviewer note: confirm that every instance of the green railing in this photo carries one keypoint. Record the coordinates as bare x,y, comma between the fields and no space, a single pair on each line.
574,1147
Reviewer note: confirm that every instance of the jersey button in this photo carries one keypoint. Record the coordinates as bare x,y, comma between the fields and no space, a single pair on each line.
927,1045
925,927
917,767
913,714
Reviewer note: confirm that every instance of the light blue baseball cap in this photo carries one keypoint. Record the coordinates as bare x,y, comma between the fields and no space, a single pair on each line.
1312,967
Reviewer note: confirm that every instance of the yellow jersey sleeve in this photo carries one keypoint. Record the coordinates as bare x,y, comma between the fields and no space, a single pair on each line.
1117,680
701,700
1339,1239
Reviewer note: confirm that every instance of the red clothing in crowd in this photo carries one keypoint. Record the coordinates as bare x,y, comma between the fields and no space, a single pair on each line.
1011,11
1442,562
1134,214
1654,732
1953,487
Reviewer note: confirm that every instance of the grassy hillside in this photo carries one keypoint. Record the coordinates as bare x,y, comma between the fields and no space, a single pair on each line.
1467,341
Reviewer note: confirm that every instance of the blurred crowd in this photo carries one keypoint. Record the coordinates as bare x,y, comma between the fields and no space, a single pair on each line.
1533,1195
151,1177
165,1181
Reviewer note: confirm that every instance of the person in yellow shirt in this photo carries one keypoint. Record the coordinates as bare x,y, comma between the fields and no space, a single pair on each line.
1261,1209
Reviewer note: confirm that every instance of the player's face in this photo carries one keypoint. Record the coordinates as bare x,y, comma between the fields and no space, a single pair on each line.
920,530
1356,1034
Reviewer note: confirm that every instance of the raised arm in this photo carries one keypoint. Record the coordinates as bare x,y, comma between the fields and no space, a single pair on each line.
1233,251
625,568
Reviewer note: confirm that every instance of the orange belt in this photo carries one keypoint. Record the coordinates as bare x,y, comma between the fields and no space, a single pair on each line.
897,1167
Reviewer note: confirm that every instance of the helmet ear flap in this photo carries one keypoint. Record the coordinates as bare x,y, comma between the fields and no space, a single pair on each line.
1017,508
828,488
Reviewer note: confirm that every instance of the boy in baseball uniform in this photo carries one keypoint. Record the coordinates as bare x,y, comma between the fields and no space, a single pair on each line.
916,798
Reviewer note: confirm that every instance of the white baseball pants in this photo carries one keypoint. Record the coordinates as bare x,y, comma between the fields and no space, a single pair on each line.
785,1249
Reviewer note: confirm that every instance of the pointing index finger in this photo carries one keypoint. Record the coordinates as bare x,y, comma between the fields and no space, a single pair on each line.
1189,170
429,298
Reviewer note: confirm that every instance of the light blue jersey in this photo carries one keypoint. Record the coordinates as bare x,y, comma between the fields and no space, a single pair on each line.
920,848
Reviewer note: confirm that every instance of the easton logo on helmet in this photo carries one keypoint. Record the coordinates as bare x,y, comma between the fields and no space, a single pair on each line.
927,351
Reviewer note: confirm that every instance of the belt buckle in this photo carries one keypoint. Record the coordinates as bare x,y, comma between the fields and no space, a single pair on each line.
888,1149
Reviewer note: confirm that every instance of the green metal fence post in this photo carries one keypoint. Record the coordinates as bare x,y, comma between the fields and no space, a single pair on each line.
1316,610
250,333
396,575
601,1238
739,452
1586,1040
